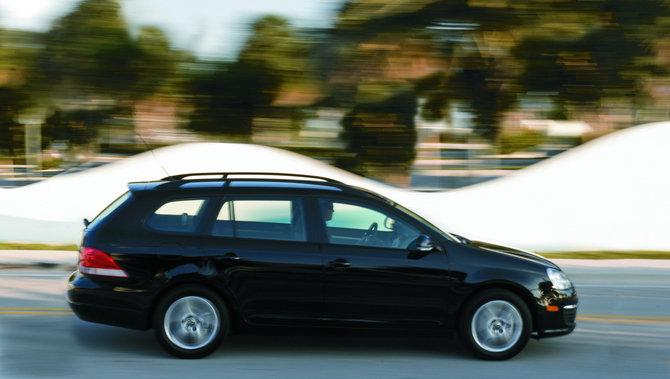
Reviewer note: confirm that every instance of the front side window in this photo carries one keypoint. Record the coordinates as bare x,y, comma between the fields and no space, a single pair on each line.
358,224
268,219
180,216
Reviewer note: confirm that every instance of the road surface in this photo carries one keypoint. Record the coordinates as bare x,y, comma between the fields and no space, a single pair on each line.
623,332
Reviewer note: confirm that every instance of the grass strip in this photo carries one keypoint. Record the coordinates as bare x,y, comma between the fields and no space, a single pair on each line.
608,255
36,246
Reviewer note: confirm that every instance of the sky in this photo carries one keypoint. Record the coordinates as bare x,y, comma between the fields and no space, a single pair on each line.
209,28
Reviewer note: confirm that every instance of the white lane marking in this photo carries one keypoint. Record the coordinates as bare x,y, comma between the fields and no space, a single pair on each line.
619,333
578,286
39,275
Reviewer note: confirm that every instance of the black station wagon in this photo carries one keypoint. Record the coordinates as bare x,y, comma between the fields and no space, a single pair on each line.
194,256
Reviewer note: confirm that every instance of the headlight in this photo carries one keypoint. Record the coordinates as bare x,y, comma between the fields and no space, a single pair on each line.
558,279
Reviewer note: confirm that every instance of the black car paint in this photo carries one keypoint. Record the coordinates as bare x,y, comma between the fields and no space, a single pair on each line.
305,287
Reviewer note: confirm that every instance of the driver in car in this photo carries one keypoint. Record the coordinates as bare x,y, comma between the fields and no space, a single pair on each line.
327,211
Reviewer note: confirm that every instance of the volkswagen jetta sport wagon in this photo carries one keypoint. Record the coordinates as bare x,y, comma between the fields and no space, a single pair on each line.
194,256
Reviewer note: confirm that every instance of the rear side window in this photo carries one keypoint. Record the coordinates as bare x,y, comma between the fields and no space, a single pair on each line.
269,219
180,216
110,208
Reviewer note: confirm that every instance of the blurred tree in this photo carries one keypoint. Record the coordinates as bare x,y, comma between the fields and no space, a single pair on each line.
77,127
381,135
498,50
10,144
89,52
276,43
458,59
91,63
274,59
226,100
610,59
156,62
17,92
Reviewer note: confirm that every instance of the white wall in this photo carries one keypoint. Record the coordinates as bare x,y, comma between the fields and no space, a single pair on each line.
609,194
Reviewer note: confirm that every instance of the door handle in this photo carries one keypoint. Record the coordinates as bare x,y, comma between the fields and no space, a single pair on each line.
339,263
230,257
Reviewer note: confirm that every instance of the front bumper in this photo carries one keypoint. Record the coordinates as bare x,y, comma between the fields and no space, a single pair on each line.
556,313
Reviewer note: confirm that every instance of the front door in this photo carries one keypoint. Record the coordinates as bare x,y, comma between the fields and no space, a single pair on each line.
371,276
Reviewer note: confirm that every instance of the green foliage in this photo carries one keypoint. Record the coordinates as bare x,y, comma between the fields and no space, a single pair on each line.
89,51
583,70
382,132
226,101
50,163
12,102
483,53
156,63
77,126
36,246
519,141
581,50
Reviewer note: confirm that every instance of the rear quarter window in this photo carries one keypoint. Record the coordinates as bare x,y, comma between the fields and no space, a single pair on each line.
116,204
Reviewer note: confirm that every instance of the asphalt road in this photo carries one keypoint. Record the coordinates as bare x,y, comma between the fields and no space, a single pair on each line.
623,332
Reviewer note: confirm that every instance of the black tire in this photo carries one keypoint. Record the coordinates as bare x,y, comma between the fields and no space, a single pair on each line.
495,325
190,322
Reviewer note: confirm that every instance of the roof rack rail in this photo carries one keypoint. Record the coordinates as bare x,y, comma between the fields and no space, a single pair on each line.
224,175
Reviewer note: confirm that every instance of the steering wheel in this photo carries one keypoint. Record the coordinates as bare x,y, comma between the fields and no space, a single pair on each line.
369,235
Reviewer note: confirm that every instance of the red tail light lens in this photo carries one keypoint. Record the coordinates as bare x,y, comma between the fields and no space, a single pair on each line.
97,262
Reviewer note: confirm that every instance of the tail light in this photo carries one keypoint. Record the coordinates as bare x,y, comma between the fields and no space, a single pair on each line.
97,262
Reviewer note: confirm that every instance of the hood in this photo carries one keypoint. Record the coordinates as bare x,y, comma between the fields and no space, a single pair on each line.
527,255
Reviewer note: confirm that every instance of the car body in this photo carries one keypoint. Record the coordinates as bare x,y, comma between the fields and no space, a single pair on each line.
195,255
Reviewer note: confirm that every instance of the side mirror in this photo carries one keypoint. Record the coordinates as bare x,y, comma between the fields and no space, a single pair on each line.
421,247
86,223
423,244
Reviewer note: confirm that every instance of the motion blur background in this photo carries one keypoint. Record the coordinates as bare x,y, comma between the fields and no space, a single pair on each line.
421,94
415,93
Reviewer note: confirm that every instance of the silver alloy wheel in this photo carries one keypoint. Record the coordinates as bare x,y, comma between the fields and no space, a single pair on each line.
497,326
191,322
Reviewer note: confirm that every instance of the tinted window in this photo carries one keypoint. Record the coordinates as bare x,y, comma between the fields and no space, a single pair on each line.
181,216
358,224
271,219
110,208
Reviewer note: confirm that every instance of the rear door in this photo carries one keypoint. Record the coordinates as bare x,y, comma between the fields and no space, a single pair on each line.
266,253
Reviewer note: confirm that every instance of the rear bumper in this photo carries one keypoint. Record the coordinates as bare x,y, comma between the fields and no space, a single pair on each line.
93,303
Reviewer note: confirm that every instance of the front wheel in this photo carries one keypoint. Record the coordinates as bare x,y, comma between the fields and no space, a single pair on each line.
495,325
190,322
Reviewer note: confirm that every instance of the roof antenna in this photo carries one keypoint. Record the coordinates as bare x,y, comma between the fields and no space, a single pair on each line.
154,154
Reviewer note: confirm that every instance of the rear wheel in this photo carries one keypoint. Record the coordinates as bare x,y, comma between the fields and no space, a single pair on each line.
190,322
495,325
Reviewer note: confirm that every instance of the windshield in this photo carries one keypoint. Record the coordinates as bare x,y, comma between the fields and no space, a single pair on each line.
412,214
425,222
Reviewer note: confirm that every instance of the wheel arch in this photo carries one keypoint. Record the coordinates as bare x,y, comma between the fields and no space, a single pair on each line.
196,281
521,292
